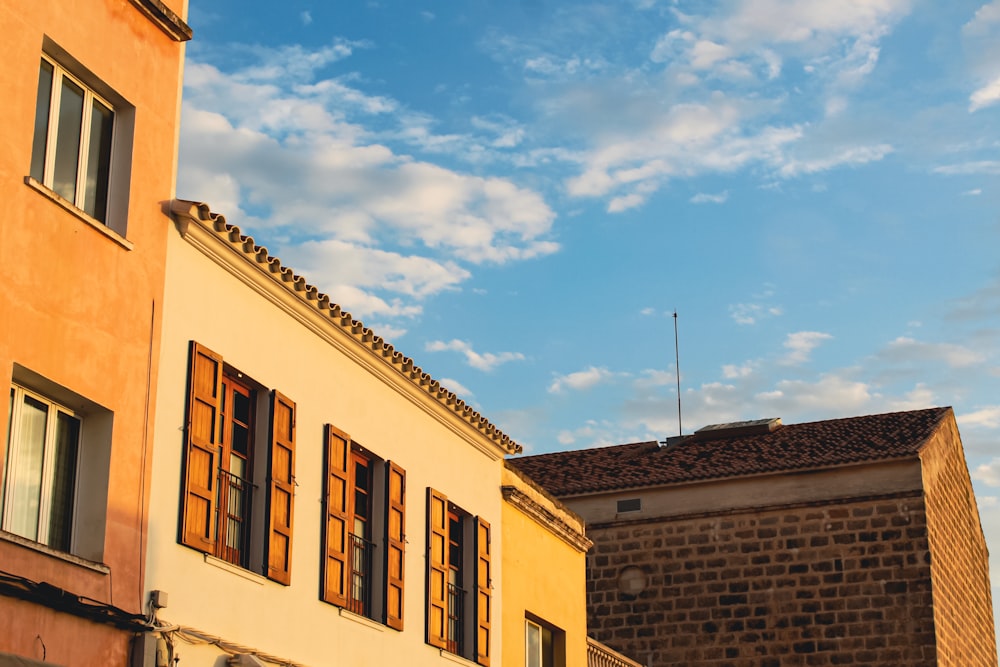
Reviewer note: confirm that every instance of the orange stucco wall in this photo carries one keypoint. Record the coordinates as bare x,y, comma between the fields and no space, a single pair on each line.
79,307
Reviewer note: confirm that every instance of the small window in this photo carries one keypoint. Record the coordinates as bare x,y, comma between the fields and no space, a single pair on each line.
363,535
55,462
239,468
43,443
82,140
544,644
71,150
630,505
459,585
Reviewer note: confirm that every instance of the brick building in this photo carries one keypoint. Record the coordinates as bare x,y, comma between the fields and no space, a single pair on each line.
849,541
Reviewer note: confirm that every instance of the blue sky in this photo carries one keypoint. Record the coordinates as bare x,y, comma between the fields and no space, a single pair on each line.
519,195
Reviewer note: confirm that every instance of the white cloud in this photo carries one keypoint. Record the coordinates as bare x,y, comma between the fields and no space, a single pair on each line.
751,313
486,361
732,371
580,380
988,417
706,198
975,192
801,344
306,18
850,156
989,167
985,19
904,349
988,473
985,96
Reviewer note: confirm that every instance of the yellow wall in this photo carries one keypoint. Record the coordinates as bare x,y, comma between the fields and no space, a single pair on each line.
543,575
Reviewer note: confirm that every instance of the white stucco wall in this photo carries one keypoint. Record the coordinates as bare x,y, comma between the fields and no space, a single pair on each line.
393,419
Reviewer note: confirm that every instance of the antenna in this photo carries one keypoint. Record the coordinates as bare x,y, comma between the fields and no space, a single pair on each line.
677,367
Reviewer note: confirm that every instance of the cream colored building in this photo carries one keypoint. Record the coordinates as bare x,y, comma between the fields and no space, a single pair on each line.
317,499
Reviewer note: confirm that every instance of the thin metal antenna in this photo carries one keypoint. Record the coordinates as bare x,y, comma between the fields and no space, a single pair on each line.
677,367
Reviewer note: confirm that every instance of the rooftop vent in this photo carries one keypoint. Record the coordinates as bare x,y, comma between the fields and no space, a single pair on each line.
738,429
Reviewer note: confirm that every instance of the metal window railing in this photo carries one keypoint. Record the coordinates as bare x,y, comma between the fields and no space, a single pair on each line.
235,498
359,599
456,619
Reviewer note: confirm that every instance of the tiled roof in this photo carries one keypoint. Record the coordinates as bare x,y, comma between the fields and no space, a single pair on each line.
707,456
297,285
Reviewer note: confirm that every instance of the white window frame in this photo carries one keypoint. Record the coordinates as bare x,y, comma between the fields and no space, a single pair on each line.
51,144
13,445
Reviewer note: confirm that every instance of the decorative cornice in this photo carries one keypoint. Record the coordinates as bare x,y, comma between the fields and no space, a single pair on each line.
542,515
165,19
208,231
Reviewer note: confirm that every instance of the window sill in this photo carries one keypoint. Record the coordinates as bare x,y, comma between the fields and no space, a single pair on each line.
235,569
96,224
457,659
361,620
100,568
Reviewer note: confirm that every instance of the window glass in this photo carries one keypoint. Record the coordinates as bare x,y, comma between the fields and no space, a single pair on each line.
68,140
41,464
95,199
533,645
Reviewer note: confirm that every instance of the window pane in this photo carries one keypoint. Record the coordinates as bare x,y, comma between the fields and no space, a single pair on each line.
95,201
41,122
63,481
533,645
25,476
68,140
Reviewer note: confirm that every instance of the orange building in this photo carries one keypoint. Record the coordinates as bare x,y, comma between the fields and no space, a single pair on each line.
87,157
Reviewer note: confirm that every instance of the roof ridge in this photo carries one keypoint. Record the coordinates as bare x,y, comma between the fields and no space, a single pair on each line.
321,302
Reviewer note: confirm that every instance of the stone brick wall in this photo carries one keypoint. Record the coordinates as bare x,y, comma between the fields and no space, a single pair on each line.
837,583
963,612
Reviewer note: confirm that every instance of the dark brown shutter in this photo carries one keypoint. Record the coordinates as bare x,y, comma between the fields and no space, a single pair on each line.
437,569
200,447
483,585
335,530
395,544
282,490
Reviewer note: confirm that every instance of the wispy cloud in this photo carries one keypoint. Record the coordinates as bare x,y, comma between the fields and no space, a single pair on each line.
706,198
486,361
580,380
751,313
988,95
989,167
801,344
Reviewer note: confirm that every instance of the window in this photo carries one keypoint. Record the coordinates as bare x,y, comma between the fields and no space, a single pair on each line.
458,580
43,441
71,151
240,438
55,459
363,538
544,644
82,140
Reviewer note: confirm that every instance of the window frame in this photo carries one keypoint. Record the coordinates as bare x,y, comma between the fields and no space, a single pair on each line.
379,596
270,516
474,617
14,451
114,223
93,468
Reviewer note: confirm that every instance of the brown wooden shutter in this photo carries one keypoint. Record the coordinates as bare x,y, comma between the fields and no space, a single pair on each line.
395,544
282,489
483,585
437,569
335,529
200,449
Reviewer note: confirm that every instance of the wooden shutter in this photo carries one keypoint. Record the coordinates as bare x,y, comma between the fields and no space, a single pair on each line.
395,544
483,586
437,569
282,489
335,530
201,442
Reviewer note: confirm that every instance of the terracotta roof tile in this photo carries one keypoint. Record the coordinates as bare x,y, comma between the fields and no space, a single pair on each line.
707,456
